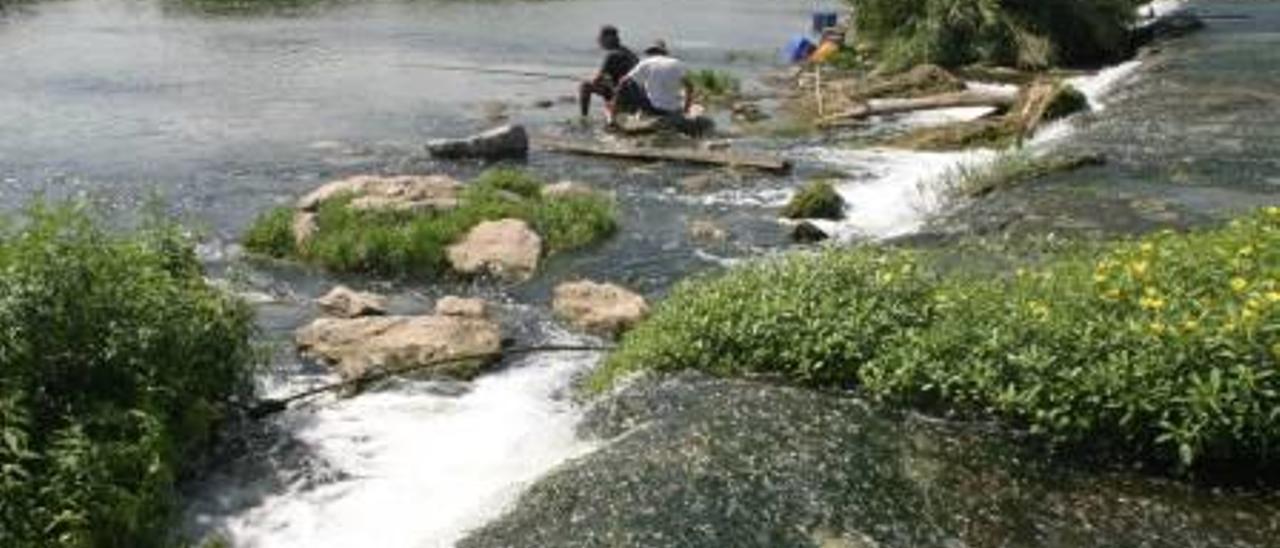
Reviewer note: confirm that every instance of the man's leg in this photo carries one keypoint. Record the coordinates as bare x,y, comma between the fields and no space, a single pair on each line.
589,88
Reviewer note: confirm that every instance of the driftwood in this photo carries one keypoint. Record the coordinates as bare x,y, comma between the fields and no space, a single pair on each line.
762,162
880,107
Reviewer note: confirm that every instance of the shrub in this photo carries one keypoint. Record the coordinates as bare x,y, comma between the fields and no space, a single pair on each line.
1163,349
117,363
401,243
1024,33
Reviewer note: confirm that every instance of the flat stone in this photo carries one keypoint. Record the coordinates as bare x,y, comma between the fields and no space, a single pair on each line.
707,231
508,249
567,189
398,193
462,307
357,346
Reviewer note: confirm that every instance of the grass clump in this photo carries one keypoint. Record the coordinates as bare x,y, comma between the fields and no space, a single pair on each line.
1029,34
817,200
119,363
398,243
714,85
1010,169
1164,349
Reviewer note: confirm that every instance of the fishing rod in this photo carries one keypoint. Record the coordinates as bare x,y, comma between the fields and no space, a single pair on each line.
272,406
499,71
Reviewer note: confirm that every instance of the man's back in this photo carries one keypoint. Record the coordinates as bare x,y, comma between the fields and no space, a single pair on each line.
662,78
618,62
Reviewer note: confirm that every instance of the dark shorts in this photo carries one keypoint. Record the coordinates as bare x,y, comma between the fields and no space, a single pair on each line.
603,89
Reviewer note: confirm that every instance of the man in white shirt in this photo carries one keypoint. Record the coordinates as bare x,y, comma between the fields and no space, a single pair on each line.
658,85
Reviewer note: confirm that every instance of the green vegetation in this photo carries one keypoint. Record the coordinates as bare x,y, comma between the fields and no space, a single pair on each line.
1010,169
403,242
817,200
714,85
1021,33
1164,349
119,362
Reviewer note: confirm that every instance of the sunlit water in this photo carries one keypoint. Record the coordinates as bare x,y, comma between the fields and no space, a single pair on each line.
225,115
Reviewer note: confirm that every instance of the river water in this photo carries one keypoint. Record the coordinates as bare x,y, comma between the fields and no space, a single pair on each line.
223,113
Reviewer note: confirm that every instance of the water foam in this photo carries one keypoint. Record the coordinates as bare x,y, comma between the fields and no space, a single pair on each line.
420,470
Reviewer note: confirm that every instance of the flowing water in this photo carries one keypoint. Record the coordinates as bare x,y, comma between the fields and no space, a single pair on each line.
223,113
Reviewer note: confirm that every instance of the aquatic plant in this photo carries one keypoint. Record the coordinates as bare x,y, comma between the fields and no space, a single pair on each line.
117,364
398,243
817,200
714,85
1010,169
1022,33
1163,349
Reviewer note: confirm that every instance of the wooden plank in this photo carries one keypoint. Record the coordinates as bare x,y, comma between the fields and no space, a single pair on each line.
762,162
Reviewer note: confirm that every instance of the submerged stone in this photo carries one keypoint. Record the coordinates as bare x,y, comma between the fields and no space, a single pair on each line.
508,249
699,462
500,143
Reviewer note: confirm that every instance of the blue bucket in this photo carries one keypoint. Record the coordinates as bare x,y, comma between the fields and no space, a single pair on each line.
823,20
797,50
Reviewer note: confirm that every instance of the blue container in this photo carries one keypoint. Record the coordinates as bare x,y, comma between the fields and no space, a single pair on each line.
823,20
798,49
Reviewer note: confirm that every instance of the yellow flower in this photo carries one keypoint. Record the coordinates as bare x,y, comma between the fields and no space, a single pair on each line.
1151,303
1239,284
1245,251
1190,326
1273,211
1112,295
1148,247
1099,278
1248,315
1157,328
1139,268
1273,297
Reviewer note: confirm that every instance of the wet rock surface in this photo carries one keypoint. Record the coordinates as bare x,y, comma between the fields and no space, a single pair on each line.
699,462
505,142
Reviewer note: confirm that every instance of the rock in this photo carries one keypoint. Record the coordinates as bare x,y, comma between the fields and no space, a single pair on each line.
398,193
567,189
604,309
700,183
544,103
361,345
1171,25
749,113
693,461
817,200
808,233
343,302
707,231
508,249
304,228
511,141
462,307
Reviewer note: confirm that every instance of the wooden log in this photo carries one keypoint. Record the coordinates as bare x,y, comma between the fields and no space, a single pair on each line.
882,107
761,162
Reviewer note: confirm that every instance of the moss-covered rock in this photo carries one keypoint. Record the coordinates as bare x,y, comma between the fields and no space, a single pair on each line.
817,200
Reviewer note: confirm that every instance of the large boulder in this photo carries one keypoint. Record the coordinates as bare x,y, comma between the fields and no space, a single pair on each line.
604,309
357,346
500,143
690,461
343,302
395,193
508,249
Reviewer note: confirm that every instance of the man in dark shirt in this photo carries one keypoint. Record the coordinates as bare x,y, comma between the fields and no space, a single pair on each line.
618,61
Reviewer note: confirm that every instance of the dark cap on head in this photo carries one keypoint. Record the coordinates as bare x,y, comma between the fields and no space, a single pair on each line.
659,47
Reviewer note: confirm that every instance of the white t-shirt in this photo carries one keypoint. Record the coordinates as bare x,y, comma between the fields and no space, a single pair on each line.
662,78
